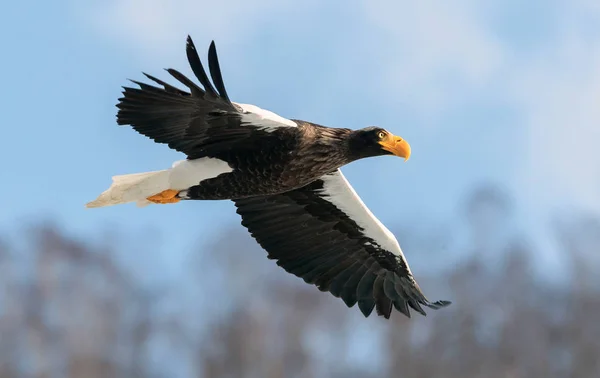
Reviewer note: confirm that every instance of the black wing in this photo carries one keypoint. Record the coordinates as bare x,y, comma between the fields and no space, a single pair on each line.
200,122
324,234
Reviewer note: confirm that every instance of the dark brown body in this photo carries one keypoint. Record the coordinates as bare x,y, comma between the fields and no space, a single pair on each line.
289,158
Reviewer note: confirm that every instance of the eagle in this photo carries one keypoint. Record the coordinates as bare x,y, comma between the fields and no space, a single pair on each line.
284,178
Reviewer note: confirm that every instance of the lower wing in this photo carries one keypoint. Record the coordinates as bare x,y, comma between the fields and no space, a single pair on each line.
325,234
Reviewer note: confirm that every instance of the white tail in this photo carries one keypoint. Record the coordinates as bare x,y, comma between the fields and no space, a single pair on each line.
134,187
138,187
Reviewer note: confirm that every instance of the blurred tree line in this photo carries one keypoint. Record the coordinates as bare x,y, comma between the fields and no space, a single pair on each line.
70,308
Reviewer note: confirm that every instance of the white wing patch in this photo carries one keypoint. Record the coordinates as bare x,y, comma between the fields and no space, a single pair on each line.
263,119
187,173
338,191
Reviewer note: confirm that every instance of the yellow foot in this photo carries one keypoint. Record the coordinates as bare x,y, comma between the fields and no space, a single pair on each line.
166,196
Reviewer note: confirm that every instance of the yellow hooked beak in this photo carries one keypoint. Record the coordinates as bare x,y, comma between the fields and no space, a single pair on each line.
396,145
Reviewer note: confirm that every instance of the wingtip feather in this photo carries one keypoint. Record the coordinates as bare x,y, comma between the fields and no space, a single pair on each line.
215,71
190,46
197,68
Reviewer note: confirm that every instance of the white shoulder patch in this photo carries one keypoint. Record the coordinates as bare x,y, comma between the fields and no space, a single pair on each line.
187,173
339,192
264,119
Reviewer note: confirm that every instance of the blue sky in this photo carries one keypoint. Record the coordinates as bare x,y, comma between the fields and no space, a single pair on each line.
501,92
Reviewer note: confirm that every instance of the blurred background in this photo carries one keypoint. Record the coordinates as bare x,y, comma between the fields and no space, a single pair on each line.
498,209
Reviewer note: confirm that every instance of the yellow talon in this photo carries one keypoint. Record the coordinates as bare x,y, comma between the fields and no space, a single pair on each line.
164,197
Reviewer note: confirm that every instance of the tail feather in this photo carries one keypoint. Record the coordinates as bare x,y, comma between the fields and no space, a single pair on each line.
134,187
160,186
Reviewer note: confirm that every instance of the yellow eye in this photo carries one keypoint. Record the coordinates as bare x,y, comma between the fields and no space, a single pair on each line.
381,135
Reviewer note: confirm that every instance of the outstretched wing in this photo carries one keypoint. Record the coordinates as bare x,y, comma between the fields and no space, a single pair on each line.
325,234
201,122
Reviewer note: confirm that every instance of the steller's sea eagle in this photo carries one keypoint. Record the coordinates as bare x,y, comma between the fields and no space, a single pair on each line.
283,176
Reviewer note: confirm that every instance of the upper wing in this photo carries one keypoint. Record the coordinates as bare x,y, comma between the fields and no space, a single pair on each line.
325,234
197,123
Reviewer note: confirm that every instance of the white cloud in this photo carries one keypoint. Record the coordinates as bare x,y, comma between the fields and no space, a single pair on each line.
559,93
156,27
430,40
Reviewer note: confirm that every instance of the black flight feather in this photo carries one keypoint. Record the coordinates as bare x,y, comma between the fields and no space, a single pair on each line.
383,304
402,307
198,69
196,90
337,284
215,71
168,87
366,306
